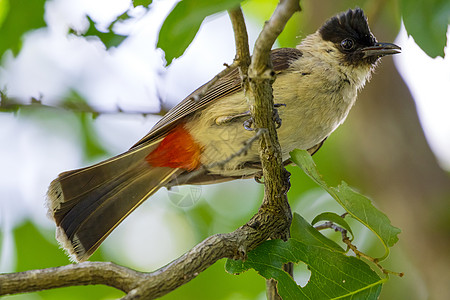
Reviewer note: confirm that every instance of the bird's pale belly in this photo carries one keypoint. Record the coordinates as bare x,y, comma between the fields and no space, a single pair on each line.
302,129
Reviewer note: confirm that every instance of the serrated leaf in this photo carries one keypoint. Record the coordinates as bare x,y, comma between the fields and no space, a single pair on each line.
357,205
302,231
109,38
333,274
182,24
144,3
333,217
367,214
21,17
427,23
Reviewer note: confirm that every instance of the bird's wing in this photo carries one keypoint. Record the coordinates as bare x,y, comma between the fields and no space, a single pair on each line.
227,85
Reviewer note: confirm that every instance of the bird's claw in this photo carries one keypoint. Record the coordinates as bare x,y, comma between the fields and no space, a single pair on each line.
248,124
276,117
276,105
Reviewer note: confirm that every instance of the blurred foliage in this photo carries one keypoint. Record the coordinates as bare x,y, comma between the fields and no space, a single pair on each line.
142,2
92,147
183,22
17,17
261,10
108,38
90,142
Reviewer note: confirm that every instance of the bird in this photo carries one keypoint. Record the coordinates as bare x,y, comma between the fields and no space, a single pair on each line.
316,85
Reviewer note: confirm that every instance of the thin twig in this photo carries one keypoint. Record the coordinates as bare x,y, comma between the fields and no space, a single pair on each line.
11,105
348,242
358,253
241,40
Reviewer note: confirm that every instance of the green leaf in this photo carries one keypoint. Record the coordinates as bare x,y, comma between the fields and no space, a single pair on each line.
335,218
109,38
302,231
144,3
357,205
427,22
182,24
4,8
21,16
333,274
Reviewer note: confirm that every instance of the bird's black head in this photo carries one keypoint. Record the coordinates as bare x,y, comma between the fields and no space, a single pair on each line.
350,33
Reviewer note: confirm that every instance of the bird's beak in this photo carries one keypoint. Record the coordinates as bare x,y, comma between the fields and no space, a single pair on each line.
381,49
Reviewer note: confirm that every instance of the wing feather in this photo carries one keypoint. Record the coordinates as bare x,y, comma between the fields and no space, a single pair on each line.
227,85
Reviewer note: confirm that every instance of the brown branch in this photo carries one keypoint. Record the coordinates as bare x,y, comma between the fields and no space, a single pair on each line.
86,273
258,90
241,41
139,285
272,220
12,105
272,29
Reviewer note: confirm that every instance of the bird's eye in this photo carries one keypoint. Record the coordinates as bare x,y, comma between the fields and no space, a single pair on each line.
348,44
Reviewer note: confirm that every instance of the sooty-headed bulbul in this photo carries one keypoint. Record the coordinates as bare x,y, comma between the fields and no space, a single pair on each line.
316,83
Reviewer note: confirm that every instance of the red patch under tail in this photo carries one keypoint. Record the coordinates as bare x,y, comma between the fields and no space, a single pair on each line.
177,150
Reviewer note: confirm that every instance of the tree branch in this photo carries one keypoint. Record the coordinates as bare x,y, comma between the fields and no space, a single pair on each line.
272,220
138,285
87,273
241,40
11,105
260,96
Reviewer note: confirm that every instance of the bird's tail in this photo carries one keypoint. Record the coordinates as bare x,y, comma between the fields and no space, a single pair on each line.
88,203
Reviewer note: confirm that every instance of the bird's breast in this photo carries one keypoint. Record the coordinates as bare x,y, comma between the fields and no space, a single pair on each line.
317,104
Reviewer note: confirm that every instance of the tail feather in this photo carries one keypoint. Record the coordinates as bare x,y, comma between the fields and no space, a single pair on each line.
76,183
87,204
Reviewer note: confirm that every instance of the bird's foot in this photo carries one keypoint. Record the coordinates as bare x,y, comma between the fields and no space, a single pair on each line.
276,117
